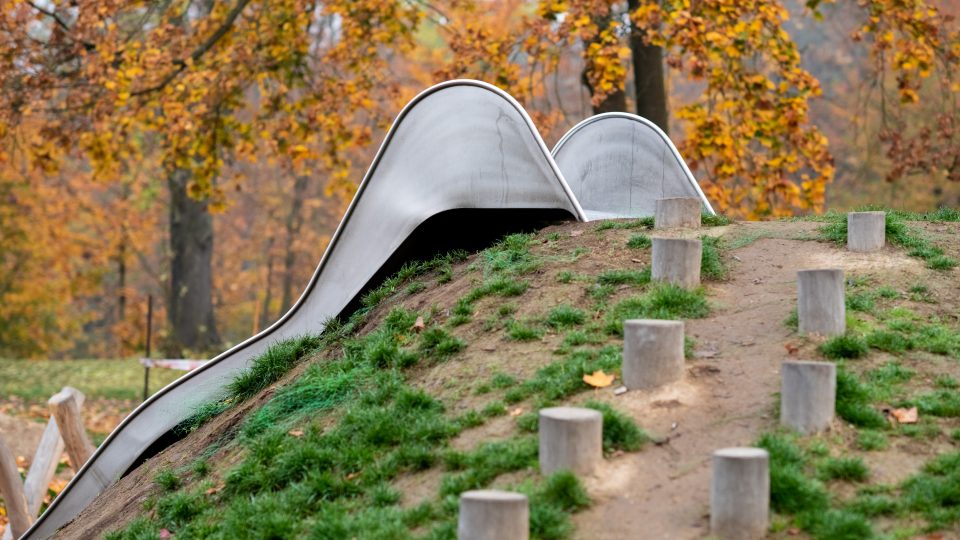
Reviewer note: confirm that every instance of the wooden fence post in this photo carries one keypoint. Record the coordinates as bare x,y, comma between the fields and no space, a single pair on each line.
12,491
66,410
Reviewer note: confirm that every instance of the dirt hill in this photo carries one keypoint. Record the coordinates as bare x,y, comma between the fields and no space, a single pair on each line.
371,430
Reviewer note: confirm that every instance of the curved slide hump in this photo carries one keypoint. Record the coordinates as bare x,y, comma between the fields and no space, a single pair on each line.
458,146
600,153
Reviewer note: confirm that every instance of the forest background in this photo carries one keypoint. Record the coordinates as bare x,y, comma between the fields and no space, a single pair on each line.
203,152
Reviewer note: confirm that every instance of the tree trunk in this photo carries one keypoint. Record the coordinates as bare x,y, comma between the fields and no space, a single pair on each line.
294,222
613,102
190,302
648,76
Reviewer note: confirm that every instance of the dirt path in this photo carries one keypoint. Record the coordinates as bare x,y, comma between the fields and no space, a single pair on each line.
726,400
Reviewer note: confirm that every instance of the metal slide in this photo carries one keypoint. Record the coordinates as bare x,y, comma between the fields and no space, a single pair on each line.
458,145
460,152
599,153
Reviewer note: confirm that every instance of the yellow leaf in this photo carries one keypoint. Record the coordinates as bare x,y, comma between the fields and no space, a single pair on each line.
598,379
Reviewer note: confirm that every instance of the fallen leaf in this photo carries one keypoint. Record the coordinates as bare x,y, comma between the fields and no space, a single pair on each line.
598,379
791,348
516,412
353,475
905,416
419,325
296,432
213,490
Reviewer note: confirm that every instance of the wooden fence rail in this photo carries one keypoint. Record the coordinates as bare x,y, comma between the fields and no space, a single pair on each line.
65,408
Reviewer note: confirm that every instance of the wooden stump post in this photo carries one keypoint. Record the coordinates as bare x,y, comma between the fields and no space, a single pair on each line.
12,491
66,410
652,353
570,438
808,395
821,307
740,494
677,212
677,261
493,515
46,458
866,231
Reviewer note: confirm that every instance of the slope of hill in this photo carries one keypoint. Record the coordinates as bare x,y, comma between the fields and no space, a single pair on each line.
372,429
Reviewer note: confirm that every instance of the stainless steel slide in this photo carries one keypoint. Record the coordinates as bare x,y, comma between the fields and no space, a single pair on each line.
597,156
458,145
458,148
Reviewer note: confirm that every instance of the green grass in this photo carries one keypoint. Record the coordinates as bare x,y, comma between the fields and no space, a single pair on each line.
642,223
844,346
639,241
711,264
271,365
870,440
714,220
37,380
523,330
854,402
437,343
791,490
660,302
620,432
565,316
851,469
934,493
898,233
624,277
564,378
942,403
863,301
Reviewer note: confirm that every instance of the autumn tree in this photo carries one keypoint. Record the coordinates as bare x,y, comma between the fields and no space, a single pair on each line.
195,87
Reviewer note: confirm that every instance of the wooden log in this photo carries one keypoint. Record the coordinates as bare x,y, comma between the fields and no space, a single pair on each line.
12,490
821,305
677,212
866,231
493,515
652,353
46,458
677,261
808,395
740,494
66,410
570,438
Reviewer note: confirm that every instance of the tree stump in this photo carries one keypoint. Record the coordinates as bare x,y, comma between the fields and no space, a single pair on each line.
677,261
866,231
740,494
821,307
677,212
493,515
570,438
652,353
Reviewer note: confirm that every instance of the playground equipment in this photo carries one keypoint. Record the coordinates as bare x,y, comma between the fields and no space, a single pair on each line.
619,164
462,165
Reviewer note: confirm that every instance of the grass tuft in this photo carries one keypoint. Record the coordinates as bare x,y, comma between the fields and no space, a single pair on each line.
564,316
851,469
711,265
845,346
661,302
639,241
